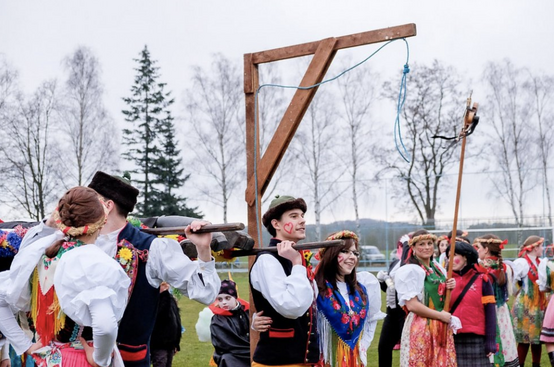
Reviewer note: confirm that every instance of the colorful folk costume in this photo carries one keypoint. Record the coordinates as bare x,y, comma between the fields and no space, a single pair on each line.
473,303
230,330
346,316
425,341
284,292
506,354
546,280
80,292
530,303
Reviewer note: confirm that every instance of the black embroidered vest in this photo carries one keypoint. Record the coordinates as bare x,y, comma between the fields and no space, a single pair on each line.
135,328
289,341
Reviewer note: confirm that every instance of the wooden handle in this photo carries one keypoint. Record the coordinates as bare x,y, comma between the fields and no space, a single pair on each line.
229,254
209,228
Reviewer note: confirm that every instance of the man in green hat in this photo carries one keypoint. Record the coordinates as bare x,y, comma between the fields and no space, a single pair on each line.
282,290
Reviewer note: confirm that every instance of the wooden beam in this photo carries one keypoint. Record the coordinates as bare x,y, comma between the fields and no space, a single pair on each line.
353,40
291,120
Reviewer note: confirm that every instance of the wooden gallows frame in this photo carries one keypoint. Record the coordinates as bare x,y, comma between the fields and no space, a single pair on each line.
324,51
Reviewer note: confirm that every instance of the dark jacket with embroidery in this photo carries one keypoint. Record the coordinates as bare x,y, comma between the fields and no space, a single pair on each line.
289,341
136,326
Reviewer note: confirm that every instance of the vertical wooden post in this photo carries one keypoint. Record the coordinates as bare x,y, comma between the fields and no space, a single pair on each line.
324,52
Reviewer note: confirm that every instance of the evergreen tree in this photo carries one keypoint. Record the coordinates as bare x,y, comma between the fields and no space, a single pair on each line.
152,127
169,175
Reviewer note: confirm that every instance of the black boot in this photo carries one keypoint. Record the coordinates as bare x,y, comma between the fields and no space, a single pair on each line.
551,357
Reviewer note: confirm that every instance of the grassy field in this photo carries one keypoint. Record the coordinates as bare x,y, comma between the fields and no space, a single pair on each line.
197,354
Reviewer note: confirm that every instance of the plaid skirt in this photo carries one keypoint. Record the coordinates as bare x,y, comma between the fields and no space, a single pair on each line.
470,350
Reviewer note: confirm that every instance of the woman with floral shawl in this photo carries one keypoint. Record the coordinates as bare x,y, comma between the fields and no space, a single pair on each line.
348,304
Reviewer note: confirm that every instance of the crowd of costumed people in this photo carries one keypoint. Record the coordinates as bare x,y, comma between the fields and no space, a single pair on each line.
85,287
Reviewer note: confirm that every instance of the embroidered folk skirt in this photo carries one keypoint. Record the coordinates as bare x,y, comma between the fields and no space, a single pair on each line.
527,316
505,339
426,342
470,350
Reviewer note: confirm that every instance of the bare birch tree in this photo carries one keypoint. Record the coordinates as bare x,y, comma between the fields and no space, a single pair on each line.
357,92
8,85
214,105
509,111
88,130
29,152
434,106
271,107
314,144
541,90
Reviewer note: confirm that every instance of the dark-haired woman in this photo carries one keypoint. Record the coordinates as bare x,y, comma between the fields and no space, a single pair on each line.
530,303
75,292
473,303
348,304
421,284
489,247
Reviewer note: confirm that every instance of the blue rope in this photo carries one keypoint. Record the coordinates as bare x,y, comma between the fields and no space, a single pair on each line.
400,105
399,108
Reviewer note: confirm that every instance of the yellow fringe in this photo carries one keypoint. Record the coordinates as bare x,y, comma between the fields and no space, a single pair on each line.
347,357
34,295
54,308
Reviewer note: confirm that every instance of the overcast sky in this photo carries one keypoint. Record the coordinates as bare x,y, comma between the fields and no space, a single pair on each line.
37,35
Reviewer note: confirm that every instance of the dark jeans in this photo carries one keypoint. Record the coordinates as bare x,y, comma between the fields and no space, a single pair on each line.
162,357
390,334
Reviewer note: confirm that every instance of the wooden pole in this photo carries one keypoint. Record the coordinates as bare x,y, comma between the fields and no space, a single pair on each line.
209,228
468,120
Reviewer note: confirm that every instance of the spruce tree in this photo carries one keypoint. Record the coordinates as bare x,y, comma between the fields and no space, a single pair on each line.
156,172
169,174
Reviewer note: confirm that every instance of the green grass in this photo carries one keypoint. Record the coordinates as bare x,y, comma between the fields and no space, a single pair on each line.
197,354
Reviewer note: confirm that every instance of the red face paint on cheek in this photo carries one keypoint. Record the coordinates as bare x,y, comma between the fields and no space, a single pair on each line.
288,227
456,260
340,258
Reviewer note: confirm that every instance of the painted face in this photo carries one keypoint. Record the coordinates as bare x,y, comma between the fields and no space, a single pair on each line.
442,246
292,226
226,301
459,262
482,251
347,260
424,249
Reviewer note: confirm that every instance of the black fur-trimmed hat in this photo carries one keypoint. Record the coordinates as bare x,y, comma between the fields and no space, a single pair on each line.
465,249
115,188
279,205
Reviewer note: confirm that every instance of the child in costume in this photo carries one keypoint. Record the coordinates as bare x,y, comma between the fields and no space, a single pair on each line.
421,284
530,303
230,328
75,292
489,248
473,303
348,304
